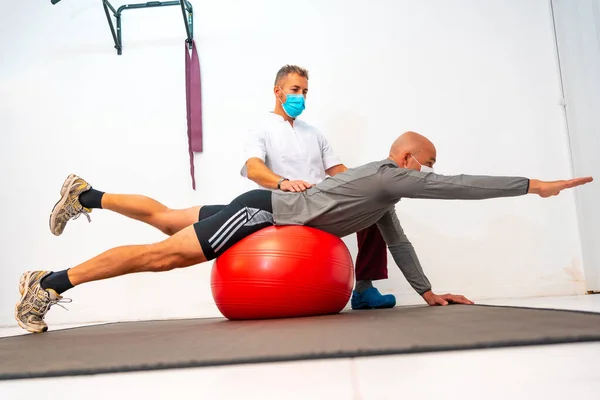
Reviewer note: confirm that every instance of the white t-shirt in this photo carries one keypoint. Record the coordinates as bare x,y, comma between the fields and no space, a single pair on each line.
298,152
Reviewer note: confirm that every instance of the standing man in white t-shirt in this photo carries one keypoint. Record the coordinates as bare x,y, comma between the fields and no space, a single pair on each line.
283,153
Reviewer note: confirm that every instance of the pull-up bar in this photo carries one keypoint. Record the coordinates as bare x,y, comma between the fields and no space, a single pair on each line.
186,10
188,18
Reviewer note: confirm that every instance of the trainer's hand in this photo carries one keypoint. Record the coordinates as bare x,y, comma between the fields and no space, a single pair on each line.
295,186
444,299
547,189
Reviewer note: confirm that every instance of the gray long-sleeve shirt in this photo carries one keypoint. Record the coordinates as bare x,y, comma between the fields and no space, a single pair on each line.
360,197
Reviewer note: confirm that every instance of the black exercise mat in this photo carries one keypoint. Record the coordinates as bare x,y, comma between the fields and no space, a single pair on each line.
150,345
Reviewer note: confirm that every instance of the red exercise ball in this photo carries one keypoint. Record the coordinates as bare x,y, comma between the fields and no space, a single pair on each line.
287,271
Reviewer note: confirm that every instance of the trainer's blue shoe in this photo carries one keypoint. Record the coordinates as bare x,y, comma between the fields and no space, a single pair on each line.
371,298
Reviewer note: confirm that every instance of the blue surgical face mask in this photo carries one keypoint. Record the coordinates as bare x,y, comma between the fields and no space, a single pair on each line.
424,168
294,104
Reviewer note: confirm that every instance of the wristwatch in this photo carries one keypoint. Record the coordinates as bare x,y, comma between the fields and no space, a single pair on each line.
280,182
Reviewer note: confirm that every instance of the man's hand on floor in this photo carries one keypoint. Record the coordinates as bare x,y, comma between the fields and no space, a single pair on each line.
444,299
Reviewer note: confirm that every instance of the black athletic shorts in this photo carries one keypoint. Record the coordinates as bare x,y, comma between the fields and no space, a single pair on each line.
221,226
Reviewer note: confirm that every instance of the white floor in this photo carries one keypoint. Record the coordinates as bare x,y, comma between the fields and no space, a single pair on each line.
539,372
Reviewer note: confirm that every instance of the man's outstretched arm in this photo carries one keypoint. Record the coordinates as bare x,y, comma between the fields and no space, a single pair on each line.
420,185
406,258
547,189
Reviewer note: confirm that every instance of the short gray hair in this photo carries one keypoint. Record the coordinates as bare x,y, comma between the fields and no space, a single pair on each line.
290,69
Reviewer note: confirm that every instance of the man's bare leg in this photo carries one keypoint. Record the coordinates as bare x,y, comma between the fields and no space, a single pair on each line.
78,197
178,251
150,211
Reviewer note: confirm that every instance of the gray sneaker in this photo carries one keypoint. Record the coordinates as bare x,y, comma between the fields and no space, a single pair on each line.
69,207
35,302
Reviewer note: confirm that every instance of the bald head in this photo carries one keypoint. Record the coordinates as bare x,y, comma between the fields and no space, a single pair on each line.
411,150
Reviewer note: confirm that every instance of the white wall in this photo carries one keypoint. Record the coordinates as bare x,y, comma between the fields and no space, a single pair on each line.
578,43
479,78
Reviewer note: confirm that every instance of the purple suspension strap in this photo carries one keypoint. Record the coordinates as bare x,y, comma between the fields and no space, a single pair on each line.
194,105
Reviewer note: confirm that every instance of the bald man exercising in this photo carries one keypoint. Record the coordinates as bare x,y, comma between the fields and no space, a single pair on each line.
341,205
